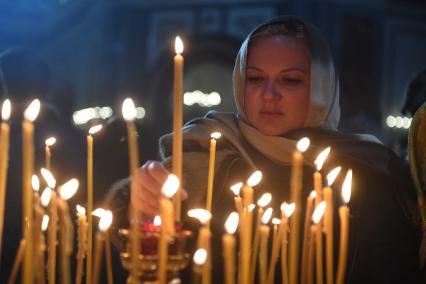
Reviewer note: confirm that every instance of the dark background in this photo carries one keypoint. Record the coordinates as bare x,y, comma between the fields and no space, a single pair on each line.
96,53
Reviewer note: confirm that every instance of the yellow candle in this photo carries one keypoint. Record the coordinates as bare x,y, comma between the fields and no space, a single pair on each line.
316,218
167,232
4,161
284,254
236,188
263,255
104,224
214,137
30,115
49,142
311,255
92,131
129,114
275,249
306,235
51,261
110,278
228,241
17,262
82,234
177,120
344,229
296,197
200,258
38,235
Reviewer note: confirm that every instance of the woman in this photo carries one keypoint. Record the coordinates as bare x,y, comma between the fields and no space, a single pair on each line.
286,88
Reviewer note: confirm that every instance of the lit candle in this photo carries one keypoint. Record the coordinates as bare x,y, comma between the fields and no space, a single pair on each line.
275,248
4,161
307,235
170,187
214,136
81,241
129,114
92,131
236,188
38,235
328,225
296,197
344,228
204,236
200,258
263,255
228,241
177,120
316,218
104,224
48,154
30,115
66,191
44,226
247,226
263,201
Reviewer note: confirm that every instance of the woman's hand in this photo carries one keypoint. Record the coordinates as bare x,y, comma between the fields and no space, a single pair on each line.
146,187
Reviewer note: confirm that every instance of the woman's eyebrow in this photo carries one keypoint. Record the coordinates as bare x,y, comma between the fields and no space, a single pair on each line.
253,67
294,69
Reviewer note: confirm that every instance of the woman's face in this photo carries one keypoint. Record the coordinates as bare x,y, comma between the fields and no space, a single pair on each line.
277,84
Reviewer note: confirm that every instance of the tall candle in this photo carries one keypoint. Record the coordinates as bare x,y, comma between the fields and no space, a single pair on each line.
307,235
16,264
200,258
81,241
129,114
275,249
30,115
263,201
104,224
177,120
44,226
316,218
328,225
210,179
51,261
4,161
48,154
92,131
296,197
311,256
236,188
170,187
263,255
228,241
344,228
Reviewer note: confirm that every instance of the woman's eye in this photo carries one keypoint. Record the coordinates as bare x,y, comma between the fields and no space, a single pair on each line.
292,81
254,79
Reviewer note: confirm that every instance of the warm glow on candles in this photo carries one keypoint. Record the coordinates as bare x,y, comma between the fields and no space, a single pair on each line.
251,207
346,188
215,135
331,177
319,212
303,144
319,161
254,179
46,196
50,141
200,256
276,221
236,188
105,221
157,221
170,186
228,241
32,110
201,215
68,189
6,110
267,215
80,209
35,182
313,194
178,45
316,218
264,200
48,177
98,212
128,110
288,209
231,223
95,129
45,222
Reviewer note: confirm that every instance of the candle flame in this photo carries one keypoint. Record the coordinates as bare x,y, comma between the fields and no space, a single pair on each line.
267,215
95,129
319,161
170,186
236,188
331,177
346,188
157,221
288,209
251,207
32,110
6,110
231,223
276,221
254,179
178,45
48,177
216,135
319,212
201,215
98,212
68,189
303,144
45,222
200,256
313,194
50,141
105,221
264,200
46,196
128,110
35,182
80,209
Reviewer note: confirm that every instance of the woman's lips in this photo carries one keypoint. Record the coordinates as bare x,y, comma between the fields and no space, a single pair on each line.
271,114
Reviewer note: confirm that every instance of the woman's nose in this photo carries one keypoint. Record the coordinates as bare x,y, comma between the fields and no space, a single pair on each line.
270,91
